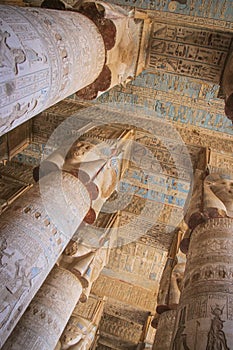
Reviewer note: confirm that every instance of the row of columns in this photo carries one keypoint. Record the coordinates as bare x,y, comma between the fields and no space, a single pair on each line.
203,317
34,233
32,241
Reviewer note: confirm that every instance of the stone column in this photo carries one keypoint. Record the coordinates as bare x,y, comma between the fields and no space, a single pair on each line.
205,317
169,294
43,322
164,330
32,240
46,55
122,36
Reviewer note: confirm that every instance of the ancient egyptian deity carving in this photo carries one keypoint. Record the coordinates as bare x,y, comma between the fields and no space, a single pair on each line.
213,197
78,334
216,336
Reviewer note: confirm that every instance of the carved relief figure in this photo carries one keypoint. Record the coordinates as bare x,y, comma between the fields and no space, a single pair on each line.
216,336
22,275
10,57
78,334
3,247
180,341
33,56
17,112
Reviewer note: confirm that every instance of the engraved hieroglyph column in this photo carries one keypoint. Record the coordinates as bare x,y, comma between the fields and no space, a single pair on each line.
43,322
31,241
45,56
205,314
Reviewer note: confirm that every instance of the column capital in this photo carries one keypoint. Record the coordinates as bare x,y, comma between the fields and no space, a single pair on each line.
212,198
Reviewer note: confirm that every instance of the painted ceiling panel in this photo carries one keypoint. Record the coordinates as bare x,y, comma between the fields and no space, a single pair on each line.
213,9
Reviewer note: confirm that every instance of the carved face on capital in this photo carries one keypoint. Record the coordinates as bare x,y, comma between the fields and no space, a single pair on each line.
223,189
178,273
78,151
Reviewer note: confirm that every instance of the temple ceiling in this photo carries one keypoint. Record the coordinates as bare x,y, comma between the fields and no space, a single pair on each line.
189,46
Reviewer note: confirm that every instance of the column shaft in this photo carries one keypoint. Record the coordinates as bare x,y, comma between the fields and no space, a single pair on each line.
31,241
43,322
46,55
205,314
164,331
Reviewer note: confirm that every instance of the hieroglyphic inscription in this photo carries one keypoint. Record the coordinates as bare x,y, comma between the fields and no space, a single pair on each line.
47,64
17,171
221,163
198,309
188,51
125,292
127,312
10,189
183,111
48,313
178,84
130,331
27,260
192,36
44,124
210,9
87,310
133,259
207,288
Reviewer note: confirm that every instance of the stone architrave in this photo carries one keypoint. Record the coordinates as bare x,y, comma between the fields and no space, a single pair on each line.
45,56
164,330
205,314
45,318
32,240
